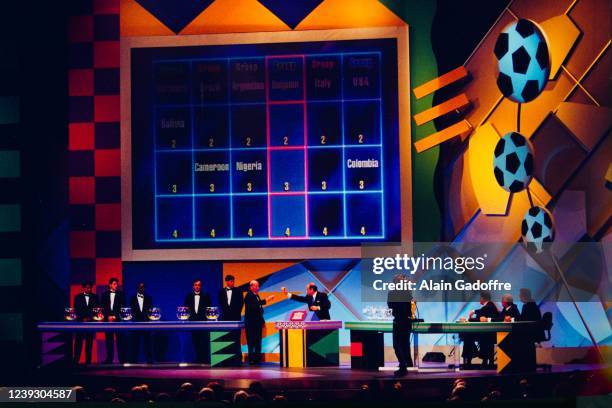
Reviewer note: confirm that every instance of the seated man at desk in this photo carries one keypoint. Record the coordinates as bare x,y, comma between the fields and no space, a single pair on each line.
487,313
509,312
317,302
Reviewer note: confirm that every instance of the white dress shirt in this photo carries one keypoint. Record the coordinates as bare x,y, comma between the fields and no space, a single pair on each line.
112,300
229,296
140,300
86,300
196,302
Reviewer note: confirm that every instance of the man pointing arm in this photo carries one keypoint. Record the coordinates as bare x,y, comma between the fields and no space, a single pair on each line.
317,302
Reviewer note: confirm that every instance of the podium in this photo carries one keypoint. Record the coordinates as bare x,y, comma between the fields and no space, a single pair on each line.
515,348
308,342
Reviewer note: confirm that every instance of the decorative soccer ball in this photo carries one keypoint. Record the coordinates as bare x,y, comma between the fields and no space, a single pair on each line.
537,228
523,61
513,162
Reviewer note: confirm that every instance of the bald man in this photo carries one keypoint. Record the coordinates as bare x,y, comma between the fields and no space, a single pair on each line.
317,302
254,320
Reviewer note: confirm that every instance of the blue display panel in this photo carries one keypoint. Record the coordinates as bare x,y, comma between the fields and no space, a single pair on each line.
267,145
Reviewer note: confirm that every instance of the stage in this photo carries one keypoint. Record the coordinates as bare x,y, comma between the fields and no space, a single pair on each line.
321,383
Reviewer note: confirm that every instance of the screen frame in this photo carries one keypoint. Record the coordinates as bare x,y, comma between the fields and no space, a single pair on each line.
400,33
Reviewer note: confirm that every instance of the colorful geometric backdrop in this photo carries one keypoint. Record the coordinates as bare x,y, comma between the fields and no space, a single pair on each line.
454,195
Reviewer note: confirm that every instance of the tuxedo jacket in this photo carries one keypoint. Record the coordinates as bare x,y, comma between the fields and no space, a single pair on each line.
204,303
147,303
489,310
83,310
117,304
232,311
320,300
512,311
253,309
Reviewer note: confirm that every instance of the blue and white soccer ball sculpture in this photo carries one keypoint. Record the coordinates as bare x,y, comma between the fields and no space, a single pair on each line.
523,61
513,162
537,228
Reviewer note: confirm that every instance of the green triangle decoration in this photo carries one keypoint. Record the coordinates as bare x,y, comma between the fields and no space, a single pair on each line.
325,345
219,345
217,334
216,359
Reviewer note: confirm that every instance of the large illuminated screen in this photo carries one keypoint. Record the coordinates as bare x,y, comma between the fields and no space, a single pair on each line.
269,145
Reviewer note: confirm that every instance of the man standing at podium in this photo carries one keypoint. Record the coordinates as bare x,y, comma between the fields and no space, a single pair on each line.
254,320
400,302
140,304
83,306
197,302
112,301
231,300
316,301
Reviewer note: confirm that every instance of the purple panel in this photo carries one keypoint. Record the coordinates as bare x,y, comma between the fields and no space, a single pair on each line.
80,109
557,154
82,270
108,190
106,81
81,55
82,217
106,27
80,163
108,244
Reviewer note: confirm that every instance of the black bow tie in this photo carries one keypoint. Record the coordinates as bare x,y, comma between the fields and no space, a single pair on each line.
196,294
86,295
228,289
140,296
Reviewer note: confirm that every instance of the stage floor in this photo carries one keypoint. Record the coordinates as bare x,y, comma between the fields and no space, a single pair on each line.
274,377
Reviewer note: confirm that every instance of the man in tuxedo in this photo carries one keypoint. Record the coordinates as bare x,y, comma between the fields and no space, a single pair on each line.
140,304
84,303
112,301
231,300
197,302
509,309
254,320
487,313
317,302
400,302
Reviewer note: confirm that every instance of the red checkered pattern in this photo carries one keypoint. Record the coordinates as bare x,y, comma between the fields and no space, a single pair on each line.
94,150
